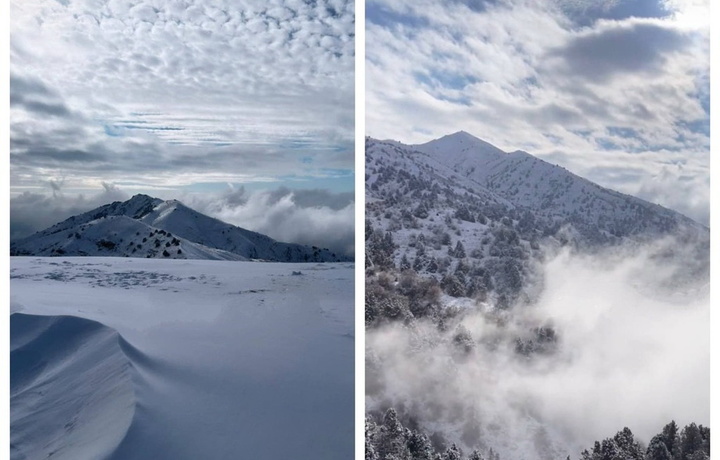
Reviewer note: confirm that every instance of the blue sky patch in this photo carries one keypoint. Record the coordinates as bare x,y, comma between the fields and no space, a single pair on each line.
585,15
449,80
385,17
112,131
620,131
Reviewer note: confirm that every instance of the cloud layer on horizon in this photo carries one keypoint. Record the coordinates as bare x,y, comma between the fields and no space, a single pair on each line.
305,216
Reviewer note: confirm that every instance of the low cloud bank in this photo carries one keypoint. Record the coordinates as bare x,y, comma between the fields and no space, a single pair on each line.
629,352
31,212
313,217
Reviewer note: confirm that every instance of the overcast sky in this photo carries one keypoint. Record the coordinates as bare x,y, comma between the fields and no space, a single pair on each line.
179,97
616,91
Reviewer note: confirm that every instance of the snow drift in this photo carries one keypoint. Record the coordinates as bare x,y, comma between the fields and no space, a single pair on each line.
121,358
71,389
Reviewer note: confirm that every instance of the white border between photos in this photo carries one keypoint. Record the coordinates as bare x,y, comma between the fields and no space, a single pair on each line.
360,230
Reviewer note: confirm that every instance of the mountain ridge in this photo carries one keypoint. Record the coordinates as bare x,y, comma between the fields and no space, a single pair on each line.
460,209
144,226
460,153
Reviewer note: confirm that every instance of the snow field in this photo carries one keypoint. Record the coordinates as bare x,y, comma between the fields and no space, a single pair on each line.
224,359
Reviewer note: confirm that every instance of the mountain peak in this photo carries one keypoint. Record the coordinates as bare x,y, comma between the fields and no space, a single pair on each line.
460,146
141,197
462,135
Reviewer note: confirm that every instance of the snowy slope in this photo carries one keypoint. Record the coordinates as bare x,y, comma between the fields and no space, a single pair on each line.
152,228
460,148
180,359
119,236
549,189
502,208
173,216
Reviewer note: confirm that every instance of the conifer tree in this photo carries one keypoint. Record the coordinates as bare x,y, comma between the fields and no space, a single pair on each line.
459,251
657,450
475,455
452,453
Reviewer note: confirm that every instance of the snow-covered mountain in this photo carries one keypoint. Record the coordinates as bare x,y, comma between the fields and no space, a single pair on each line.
552,191
149,227
460,202
531,184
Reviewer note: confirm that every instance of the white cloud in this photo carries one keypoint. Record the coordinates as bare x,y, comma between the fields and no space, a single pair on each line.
311,217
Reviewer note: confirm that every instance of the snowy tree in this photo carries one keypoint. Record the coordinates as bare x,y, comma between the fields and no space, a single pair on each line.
370,435
405,263
419,263
391,438
421,212
432,266
452,453
463,213
445,239
420,446
420,248
462,339
379,251
629,447
459,251
657,450
671,438
691,441
452,286
475,455
368,229
609,450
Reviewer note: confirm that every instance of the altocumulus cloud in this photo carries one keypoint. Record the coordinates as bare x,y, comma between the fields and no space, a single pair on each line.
593,86
172,93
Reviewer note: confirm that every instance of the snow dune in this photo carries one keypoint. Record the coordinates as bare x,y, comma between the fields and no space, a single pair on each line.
118,358
71,390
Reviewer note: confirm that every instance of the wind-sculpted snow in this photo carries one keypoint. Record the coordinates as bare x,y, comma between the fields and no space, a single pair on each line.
222,360
71,393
